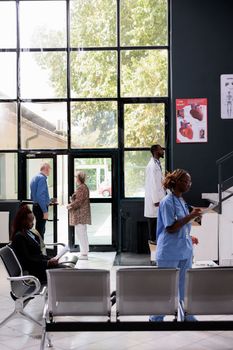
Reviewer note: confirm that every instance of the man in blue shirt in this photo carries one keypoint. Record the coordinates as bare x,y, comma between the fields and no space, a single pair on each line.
40,197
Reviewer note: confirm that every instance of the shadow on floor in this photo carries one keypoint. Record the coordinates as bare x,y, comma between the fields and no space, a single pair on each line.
132,259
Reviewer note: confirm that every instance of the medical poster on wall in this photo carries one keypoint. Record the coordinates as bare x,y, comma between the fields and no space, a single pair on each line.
226,96
191,120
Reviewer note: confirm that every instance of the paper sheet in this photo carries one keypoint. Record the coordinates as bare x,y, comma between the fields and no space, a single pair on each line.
209,209
62,252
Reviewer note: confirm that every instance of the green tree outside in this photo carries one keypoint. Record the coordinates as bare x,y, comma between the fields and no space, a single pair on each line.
93,73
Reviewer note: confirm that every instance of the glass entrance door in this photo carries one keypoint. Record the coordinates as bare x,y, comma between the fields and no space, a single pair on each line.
99,179
33,164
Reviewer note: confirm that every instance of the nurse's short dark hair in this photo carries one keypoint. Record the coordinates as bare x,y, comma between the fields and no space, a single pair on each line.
172,178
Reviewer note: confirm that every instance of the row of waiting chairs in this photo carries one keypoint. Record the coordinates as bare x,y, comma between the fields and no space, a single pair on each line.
139,291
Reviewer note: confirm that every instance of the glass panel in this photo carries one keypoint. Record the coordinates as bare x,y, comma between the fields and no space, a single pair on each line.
99,175
42,24
144,22
49,74
135,164
144,73
8,75
93,23
33,167
8,129
93,74
100,231
44,125
7,24
8,176
94,124
144,124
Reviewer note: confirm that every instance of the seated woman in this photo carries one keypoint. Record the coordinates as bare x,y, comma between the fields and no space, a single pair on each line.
26,246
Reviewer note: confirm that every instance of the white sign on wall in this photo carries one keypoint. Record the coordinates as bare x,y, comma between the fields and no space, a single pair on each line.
227,96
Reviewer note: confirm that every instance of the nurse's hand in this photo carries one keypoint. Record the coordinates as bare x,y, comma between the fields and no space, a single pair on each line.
195,212
194,240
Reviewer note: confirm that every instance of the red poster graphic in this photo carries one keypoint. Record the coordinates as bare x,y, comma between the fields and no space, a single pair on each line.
191,120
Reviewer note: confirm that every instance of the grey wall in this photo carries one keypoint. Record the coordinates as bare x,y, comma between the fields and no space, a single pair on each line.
202,50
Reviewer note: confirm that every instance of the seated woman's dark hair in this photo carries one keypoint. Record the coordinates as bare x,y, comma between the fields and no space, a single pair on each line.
20,221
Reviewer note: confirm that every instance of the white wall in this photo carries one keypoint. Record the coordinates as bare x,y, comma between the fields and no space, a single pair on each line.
207,234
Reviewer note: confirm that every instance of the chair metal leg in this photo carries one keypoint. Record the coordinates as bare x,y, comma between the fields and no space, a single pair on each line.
43,338
50,345
19,312
27,317
9,318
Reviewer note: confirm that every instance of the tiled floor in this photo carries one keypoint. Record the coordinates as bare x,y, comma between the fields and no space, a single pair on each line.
20,334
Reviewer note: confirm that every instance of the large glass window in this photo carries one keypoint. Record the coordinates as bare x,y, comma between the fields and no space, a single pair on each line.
8,122
8,75
85,76
43,125
42,24
8,176
93,23
7,24
41,73
98,175
144,23
94,74
135,164
94,124
144,124
144,73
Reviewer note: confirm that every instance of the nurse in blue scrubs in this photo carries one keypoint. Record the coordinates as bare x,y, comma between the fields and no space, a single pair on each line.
174,242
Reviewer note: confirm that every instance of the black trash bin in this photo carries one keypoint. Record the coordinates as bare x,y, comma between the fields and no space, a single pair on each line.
142,238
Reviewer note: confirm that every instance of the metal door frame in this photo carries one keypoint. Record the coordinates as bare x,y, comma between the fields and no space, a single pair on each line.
113,154
22,180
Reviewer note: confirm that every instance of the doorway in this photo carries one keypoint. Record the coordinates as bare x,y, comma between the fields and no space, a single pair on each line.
100,179
100,172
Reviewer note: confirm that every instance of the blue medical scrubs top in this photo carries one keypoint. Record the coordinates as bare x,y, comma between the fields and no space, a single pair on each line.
176,245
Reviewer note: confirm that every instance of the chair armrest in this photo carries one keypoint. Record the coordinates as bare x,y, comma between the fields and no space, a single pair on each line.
36,283
55,244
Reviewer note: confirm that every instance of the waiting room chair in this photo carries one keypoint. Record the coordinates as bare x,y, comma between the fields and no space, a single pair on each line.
146,291
76,292
209,291
64,260
23,287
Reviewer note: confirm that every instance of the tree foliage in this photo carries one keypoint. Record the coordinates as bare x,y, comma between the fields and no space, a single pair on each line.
93,74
